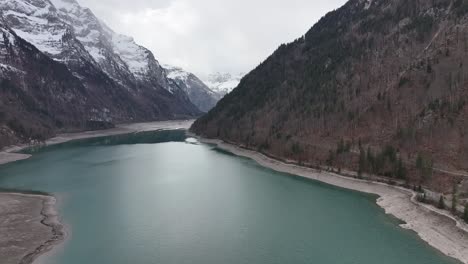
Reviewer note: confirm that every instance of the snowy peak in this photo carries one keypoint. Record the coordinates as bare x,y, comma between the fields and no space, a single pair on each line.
121,79
74,35
176,73
135,56
69,6
223,83
39,23
200,94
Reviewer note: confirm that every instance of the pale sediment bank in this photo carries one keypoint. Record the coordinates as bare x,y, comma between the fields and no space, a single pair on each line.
438,228
29,227
9,154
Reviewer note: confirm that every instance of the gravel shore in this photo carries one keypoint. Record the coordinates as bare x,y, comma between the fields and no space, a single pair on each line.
29,226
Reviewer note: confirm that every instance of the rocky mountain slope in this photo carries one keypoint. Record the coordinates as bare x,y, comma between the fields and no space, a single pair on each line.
102,77
376,86
223,83
203,97
38,94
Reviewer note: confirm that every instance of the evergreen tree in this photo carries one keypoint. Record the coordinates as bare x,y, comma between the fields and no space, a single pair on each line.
454,199
347,147
362,162
341,147
425,166
441,204
400,170
419,162
465,214
370,159
331,158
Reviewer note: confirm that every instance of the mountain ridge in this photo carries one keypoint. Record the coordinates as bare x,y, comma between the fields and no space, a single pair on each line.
375,77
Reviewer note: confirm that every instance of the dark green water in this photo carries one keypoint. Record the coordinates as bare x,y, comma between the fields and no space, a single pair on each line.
177,203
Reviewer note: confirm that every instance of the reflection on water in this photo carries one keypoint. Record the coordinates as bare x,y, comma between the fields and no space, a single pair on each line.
147,137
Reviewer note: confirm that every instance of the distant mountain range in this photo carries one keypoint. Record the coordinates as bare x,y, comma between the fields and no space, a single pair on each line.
223,83
62,69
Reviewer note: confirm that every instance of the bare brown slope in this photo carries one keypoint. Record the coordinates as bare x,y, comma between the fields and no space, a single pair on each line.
390,79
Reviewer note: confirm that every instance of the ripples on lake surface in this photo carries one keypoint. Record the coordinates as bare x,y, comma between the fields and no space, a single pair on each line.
142,199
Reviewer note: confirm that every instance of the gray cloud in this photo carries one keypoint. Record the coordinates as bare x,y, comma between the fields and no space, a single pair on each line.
205,36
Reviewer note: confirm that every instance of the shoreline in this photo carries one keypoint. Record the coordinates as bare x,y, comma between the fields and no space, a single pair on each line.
436,227
51,220
10,154
42,205
33,218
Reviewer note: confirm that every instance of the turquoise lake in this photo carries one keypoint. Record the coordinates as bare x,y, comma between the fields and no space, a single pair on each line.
152,198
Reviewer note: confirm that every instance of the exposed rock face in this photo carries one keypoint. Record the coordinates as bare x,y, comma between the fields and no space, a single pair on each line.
37,93
370,74
66,70
202,96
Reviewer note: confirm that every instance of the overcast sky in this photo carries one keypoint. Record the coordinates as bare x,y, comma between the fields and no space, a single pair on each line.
205,36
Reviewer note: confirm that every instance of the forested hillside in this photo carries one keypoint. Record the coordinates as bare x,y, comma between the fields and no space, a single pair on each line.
379,87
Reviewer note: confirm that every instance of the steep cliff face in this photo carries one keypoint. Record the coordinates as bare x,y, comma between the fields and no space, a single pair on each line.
118,80
372,75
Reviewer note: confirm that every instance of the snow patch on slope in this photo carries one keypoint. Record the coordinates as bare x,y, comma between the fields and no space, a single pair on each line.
48,43
35,25
7,36
135,56
176,73
8,68
66,5
72,34
368,4
223,83
33,19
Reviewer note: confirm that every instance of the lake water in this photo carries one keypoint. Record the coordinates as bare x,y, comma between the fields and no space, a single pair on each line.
176,203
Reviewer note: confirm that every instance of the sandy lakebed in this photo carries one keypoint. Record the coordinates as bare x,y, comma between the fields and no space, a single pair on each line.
437,227
29,223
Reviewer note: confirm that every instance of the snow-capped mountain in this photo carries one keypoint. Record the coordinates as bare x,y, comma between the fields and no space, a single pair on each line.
40,95
200,94
223,83
72,34
114,79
